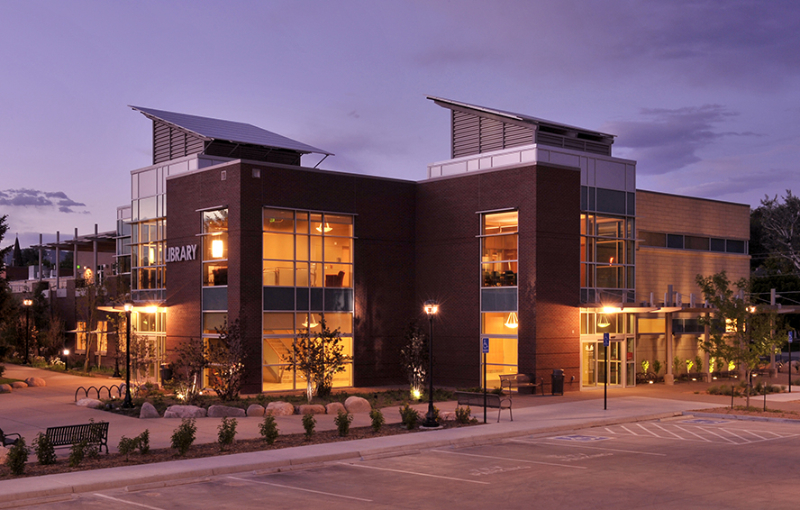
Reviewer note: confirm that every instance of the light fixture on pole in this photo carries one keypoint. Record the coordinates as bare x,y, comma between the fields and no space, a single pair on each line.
128,403
431,308
27,304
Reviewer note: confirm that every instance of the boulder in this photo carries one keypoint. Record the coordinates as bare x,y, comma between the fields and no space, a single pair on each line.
280,409
312,409
91,403
18,385
255,410
179,411
35,381
357,405
5,388
148,411
217,411
3,453
334,408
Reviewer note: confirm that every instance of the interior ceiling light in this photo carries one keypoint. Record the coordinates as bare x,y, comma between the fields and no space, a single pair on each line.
512,322
602,321
327,228
313,324
216,248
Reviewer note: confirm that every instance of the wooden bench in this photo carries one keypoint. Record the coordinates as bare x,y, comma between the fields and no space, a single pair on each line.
92,433
518,381
493,400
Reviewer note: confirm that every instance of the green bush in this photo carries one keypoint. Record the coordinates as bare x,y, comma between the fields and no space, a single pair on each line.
409,417
143,441
45,452
183,436
463,415
343,420
226,432
269,429
2,369
377,419
309,422
127,445
81,451
17,457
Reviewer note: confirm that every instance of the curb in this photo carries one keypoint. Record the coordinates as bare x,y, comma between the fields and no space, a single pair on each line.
164,474
741,417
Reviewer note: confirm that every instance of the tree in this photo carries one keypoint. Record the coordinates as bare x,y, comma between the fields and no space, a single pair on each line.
8,305
189,366
740,332
780,228
225,356
414,358
92,296
318,358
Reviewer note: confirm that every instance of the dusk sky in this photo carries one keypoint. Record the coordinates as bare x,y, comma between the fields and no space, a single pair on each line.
705,95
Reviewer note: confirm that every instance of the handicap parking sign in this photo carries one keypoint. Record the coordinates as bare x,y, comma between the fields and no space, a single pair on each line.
485,345
606,339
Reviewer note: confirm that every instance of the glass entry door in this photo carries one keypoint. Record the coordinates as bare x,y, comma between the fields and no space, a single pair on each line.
593,363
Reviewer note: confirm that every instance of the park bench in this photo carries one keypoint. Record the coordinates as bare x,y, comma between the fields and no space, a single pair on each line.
520,381
92,433
493,400
7,440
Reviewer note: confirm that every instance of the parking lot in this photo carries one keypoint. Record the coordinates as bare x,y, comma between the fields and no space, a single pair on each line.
681,463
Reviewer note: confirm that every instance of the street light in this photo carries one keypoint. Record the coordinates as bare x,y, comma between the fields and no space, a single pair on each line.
431,308
127,403
27,304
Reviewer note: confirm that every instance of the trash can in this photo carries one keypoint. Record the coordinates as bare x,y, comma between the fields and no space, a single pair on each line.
166,372
557,381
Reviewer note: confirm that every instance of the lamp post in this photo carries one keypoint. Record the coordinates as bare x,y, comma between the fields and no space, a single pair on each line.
127,403
27,304
431,308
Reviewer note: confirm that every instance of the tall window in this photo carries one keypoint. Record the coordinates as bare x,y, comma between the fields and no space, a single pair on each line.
307,275
607,258
499,320
215,271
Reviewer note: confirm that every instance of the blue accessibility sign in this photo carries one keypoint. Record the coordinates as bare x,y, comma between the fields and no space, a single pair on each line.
580,438
485,345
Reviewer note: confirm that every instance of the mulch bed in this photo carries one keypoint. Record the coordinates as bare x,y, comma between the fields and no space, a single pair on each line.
206,450
753,411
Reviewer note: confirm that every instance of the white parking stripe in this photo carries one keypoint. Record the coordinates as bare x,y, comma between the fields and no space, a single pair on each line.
744,439
299,489
509,459
412,473
719,436
574,445
648,431
760,437
127,502
610,431
667,431
629,430
694,434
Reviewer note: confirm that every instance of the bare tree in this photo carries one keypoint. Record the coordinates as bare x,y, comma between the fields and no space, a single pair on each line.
225,356
781,227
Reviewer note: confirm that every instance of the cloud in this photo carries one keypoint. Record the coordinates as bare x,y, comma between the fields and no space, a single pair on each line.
668,140
25,197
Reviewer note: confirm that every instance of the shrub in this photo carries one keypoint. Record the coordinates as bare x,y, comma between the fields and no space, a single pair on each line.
77,453
45,452
343,420
2,369
17,457
127,445
183,436
226,432
143,441
656,366
377,419
463,415
269,429
309,422
409,417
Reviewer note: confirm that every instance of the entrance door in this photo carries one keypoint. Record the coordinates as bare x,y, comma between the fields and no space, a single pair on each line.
593,363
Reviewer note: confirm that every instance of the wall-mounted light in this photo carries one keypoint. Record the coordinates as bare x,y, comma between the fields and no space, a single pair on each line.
512,321
216,248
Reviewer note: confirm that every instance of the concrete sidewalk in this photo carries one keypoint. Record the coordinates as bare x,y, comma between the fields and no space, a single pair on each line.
31,410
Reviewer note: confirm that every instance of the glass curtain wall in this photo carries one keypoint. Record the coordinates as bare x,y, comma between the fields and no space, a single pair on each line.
215,274
499,320
307,275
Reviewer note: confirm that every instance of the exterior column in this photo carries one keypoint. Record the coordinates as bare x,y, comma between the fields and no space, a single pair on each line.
706,357
669,378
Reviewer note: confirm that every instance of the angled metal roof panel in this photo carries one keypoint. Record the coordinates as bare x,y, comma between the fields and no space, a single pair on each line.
237,132
514,116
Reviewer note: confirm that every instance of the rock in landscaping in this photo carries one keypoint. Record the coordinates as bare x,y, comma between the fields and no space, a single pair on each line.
334,408
17,385
178,411
5,388
148,411
217,411
255,410
280,409
35,381
312,409
357,405
3,453
91,403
